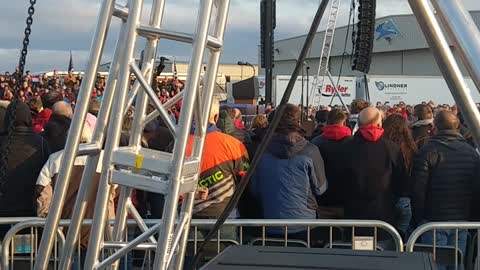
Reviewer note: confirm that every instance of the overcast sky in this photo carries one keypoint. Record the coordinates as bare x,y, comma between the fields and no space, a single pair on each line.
61,26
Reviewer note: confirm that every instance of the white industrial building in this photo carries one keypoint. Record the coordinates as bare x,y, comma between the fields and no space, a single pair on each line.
403,52
401,60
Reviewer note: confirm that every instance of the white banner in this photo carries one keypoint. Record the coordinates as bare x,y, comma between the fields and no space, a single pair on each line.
346,88
413,90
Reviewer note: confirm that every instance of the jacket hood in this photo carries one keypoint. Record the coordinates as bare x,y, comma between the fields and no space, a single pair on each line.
448,138
371,133
225,123
336,132
420,123
57,125
238,124
210,128
23,117
286,146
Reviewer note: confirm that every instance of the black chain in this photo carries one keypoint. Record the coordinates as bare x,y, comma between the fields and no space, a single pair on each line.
12,108
26,39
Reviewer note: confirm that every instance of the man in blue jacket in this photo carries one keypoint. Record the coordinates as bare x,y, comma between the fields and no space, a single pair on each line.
290,178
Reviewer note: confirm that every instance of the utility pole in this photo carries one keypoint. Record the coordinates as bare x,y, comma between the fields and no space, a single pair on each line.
267,21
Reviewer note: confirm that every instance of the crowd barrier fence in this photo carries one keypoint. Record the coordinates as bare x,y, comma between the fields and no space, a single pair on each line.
242,234
440,239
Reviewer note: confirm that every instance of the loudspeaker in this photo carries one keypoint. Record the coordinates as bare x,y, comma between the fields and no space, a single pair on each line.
246,89
362,57
294,258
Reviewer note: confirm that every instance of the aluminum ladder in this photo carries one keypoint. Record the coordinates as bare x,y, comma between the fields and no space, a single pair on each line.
171,174
319,80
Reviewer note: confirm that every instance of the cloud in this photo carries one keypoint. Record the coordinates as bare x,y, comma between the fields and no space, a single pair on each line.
60,26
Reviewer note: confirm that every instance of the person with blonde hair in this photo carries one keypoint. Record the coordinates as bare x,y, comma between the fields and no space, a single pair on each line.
260,121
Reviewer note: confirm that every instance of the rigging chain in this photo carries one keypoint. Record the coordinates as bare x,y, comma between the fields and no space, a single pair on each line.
11,112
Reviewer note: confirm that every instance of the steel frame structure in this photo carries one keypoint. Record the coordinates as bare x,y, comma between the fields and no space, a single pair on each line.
319,80
134,167
175,174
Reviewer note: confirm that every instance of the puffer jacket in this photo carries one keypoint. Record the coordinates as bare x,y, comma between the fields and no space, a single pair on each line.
289,180
446,176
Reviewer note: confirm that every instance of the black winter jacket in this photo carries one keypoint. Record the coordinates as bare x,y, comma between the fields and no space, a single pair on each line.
28,154
446,176
330,149
373,175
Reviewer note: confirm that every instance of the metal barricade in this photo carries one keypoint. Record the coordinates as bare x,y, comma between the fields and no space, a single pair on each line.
25,243
248,120
438,242
233,232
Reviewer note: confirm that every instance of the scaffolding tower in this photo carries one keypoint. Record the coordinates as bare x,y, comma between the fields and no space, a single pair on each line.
319,79
171,174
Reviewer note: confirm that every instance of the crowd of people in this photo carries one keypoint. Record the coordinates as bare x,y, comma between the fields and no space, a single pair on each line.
405,165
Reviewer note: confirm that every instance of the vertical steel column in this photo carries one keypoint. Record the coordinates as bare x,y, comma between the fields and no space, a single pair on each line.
210,78
447,64
92,161
74,135
463,32
156,15
171,201
269,44
116,118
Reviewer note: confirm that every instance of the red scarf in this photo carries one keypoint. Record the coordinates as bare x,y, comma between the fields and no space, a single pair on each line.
336,132
371,133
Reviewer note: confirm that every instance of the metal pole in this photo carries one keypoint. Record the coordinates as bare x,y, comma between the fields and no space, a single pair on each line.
308,86
92,161
268,53
136,132
211,74
447,64
74,135
302,114
463,32
116,118
336,92
194,70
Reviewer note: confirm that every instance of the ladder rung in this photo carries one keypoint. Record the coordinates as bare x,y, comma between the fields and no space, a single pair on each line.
141,182
155,32
120,12
86,149
153,161
119,245
153,184
143,159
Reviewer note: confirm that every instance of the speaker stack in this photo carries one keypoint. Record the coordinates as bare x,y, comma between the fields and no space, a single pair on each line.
364,36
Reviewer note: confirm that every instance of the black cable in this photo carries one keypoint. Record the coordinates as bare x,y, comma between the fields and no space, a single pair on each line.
344,49
268,136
